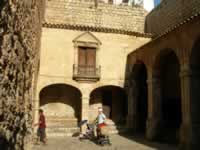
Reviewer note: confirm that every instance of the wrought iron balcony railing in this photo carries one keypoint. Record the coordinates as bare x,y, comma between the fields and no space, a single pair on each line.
81,72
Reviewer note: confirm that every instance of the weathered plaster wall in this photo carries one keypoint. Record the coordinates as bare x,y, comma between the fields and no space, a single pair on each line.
20,28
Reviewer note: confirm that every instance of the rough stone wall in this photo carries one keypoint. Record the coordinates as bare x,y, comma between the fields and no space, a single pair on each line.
20,28
169,14
84,13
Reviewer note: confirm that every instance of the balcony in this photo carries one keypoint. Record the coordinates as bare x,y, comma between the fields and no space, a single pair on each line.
86,73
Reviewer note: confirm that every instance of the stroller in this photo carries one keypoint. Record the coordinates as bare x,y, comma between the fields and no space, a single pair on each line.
90,131
90,134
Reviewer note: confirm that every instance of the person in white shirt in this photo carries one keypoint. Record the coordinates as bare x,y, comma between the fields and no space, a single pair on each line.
100,120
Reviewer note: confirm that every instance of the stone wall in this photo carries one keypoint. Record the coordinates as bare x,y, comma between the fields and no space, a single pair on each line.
84,13
56,64
170,13
20,28
59,53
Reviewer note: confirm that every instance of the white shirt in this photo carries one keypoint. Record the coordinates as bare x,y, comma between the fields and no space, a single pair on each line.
101,118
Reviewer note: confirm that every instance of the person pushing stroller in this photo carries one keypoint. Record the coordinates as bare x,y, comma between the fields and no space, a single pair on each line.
100,121
99,124
102,129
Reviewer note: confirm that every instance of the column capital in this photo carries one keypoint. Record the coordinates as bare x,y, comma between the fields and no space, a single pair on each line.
85,97
153,80
185,71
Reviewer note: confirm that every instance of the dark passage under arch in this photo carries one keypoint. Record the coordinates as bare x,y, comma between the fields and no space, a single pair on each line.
195,94
167,69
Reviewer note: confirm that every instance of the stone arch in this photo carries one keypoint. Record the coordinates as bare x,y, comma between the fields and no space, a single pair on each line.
162,53
107,83
49,81
61,104
195,94
167,95
113,99
138,84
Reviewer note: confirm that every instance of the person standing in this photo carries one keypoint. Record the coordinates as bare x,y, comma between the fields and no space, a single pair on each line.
100,121
41,131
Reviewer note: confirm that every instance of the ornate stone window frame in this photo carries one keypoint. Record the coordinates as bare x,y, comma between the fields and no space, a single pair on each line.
86,43
87,40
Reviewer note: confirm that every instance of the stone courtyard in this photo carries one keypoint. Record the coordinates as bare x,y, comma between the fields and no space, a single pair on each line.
118,143
70,57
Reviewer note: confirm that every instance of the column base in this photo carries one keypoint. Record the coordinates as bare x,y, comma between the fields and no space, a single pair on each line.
132,122
154,127
185,137
195,137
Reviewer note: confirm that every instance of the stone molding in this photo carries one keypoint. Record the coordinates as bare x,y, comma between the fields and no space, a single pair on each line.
95,29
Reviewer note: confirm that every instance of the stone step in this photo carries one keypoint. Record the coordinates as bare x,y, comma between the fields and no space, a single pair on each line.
61,131
61,122
61,125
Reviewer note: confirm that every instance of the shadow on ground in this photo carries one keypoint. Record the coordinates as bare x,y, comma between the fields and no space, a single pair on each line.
138,138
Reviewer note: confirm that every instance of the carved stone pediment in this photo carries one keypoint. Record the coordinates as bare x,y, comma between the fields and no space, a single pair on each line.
87,39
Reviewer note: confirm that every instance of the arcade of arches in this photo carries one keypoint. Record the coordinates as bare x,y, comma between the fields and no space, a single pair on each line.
65,106
163,90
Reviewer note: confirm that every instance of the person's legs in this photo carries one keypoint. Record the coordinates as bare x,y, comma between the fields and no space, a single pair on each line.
38,139
98,131
43,135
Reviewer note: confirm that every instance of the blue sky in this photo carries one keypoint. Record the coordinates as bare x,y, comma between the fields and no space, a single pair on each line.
156,2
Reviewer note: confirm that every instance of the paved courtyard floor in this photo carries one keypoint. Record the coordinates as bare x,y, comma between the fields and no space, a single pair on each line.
118,143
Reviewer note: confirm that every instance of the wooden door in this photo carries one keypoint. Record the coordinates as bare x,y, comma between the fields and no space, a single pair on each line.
87,61
91,61
81,60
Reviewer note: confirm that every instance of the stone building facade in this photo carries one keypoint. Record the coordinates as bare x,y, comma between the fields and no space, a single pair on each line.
20,32
81,46
170,86
143,71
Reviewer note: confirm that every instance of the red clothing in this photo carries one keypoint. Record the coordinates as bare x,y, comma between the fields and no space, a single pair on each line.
42,123
101,125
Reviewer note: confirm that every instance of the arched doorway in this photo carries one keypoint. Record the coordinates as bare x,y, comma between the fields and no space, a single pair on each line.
139,78
62,106
195,94
166,70
113,99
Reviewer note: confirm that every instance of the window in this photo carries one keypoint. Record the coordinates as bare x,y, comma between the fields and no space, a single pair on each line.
86,61
87,57
86,66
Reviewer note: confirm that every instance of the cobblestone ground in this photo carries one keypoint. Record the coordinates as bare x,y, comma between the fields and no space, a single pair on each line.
118,143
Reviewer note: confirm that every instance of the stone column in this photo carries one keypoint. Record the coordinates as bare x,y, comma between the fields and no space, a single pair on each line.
84,110
132,110
36,111
154,107
185,130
